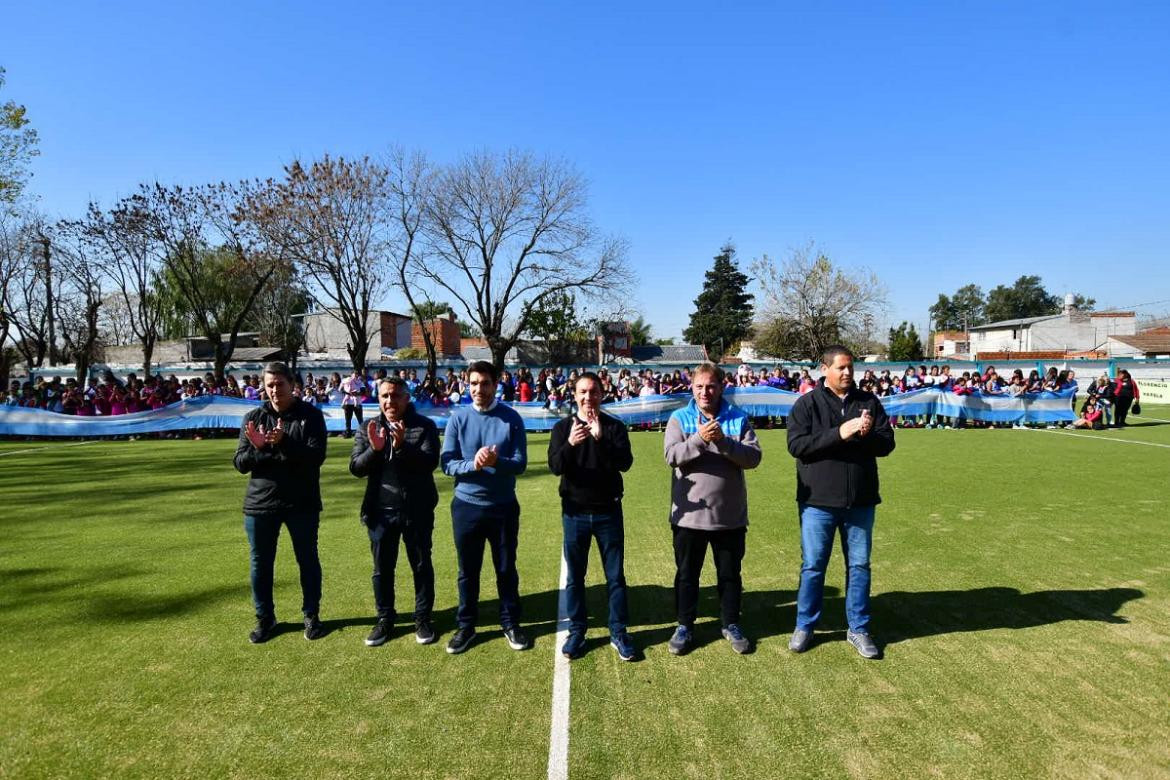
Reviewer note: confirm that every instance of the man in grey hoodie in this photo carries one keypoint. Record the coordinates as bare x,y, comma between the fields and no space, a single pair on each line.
709,443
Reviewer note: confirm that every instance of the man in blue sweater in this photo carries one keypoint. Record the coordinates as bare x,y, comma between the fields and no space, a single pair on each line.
484,448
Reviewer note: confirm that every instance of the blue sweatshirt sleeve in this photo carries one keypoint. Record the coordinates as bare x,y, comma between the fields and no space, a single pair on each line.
517,462
451,457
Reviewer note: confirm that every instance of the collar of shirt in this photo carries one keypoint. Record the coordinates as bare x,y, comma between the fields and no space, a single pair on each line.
488,408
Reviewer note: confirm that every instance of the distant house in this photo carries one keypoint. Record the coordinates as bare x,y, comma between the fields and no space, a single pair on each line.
326,336
948,344
1071,331
1151,343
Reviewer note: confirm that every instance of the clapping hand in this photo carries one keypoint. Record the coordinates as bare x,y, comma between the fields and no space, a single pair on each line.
710,431
595,426
257,436
579,433
276,435
397,434
375,435
486,457
866,423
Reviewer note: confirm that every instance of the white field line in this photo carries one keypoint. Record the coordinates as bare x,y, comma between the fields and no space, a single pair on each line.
1103,438
49,447
558,738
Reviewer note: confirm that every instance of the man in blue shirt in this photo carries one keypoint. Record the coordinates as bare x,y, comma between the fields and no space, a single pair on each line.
484,448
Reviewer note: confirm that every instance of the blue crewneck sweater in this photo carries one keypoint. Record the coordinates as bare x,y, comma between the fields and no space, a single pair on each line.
469,429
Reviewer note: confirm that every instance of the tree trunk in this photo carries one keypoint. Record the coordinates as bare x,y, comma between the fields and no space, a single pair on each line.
147,355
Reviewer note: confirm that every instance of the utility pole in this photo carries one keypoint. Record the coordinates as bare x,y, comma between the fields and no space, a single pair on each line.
46,256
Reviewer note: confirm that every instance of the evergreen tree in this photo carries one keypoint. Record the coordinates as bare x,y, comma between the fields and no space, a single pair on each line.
723,310
905,344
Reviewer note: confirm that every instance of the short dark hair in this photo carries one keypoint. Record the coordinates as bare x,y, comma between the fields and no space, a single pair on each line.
831,352
707,367
587,375
484,368
393,380
280,369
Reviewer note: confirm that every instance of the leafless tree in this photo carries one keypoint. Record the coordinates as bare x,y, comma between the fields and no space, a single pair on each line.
810,304
330,219
132,263
409,179
505,232
12,260
193,224
29,291
77,305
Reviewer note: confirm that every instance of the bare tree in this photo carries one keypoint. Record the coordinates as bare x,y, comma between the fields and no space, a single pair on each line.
409,180
198,224
506,232
133,261
810,304
12,260
330,220
78,302
114,322
275,314
29,310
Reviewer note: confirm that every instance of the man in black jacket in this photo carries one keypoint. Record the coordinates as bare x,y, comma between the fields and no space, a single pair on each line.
282,446
398,453
836,433
589,451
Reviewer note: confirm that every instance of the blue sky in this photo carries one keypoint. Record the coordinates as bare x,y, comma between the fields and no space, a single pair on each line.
935,143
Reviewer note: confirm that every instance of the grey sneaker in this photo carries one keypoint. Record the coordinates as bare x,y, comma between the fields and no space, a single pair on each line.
801,640
863,643
680,643
739,642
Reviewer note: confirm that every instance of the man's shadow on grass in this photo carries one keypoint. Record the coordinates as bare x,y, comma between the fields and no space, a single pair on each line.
898,616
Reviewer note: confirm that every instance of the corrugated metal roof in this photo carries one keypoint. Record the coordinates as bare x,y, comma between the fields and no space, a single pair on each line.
670,353
1003,324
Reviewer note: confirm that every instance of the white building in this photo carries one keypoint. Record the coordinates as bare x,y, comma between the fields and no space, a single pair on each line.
1070,331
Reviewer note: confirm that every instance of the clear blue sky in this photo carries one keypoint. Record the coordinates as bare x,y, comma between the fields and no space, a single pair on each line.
936,143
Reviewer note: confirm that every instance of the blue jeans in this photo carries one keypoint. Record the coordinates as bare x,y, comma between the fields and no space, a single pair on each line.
817,526
497,526
263,532
609,530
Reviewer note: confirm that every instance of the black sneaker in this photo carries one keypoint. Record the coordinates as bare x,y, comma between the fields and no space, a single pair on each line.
313,627
574,645
517,639
461,641
381,632
263,631
424,632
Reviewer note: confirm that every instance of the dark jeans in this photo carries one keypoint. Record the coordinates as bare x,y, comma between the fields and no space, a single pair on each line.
350,413
416,537
690,548
498,526
263,532
580,531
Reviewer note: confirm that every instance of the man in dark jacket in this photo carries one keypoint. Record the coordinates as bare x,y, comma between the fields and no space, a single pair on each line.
397,453
282,446
836,433
589,451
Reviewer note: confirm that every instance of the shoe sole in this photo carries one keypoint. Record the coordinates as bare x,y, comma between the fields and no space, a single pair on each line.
619,653
377,642
425,640
517,645
677,650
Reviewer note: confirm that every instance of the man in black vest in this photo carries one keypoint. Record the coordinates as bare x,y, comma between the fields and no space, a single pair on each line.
589,451
282,446
397,453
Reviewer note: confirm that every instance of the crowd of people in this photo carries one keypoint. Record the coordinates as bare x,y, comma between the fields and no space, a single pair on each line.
1107,402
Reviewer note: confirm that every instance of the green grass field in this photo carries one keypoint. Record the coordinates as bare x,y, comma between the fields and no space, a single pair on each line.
1022,592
